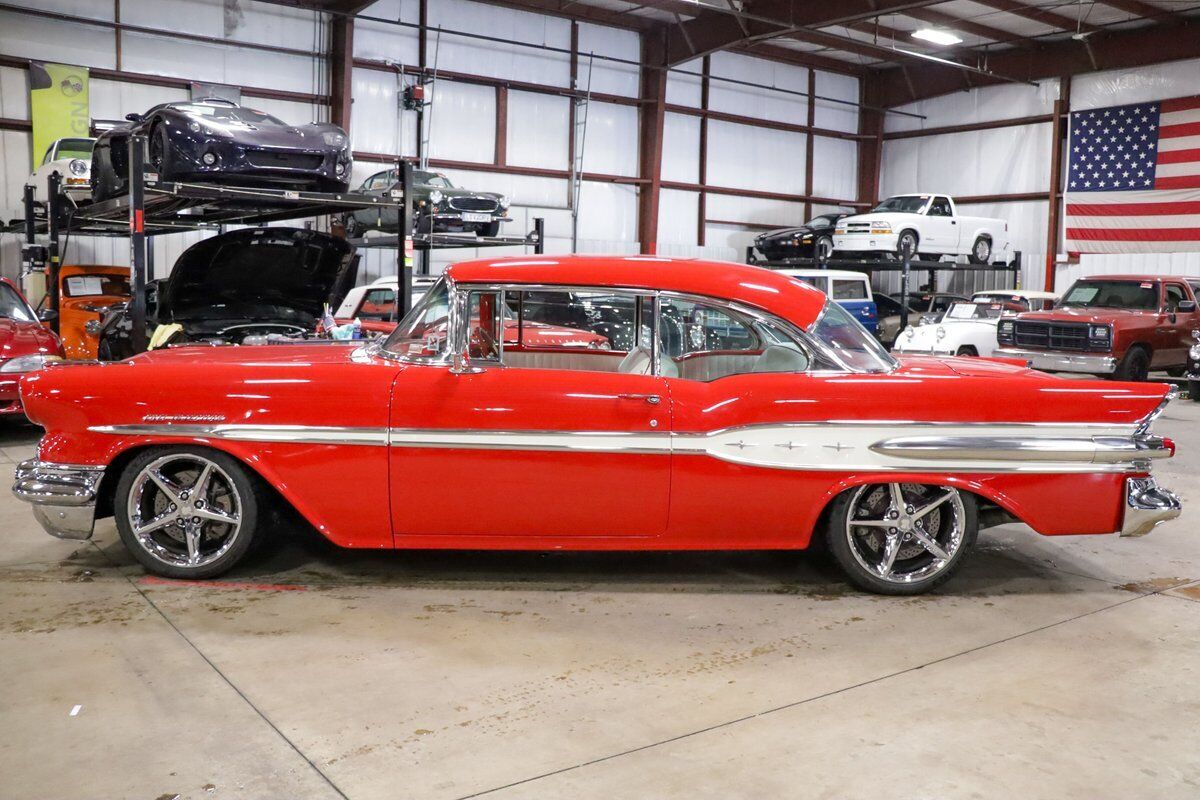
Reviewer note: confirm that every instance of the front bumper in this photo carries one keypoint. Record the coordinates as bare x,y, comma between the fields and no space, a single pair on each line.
10,400
1053,361
63,496
1147,505
866,243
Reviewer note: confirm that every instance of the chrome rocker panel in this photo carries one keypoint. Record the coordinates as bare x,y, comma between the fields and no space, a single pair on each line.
1052,361
1147,505
63,496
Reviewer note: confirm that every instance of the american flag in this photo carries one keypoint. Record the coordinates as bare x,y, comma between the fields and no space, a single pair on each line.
1133,178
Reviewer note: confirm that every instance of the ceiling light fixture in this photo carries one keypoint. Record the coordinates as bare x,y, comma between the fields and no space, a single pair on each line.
944,38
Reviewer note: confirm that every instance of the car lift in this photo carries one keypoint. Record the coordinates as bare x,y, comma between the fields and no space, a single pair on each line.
904,266
154,207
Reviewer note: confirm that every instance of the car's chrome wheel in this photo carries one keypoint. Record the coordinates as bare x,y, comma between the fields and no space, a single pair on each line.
902,538
184,510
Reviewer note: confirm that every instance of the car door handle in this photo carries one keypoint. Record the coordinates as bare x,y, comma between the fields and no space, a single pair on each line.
652,399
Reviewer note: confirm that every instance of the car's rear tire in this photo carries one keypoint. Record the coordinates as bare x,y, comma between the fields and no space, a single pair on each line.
981,251
187,512
967,350
353,227
1135,366
160,153
823,248
901,539
1194,391
906,244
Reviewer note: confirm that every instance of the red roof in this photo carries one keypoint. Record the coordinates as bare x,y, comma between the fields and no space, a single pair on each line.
752,286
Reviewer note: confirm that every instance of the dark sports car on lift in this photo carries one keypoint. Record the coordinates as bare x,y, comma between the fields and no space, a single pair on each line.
219,141
813,239
253,282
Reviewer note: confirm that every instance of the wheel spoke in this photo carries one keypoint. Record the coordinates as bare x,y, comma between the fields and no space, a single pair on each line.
192,532
897,496
216,515
162,520
929,544
164,486
199,488
891,547
872,523
921,512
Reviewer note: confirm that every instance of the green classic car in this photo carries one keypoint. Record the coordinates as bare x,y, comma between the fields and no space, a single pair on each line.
438,207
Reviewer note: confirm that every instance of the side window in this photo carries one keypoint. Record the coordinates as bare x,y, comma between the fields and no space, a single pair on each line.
378,304
580,330
483,326
816,281
940,208
849,290
1174,295
941,303
703,342
424,331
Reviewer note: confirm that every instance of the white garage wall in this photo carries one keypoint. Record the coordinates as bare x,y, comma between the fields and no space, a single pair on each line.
609,77
496,59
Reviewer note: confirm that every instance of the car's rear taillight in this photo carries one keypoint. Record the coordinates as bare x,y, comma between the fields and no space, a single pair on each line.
1169,445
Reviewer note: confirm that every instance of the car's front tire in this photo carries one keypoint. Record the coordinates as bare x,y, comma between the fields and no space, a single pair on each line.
901,539
906,245
490,229
1134,367
187,512
981,251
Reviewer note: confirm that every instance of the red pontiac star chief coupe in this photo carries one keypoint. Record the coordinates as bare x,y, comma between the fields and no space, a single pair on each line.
729,407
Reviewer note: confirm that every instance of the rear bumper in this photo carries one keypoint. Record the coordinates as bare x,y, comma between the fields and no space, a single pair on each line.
1053,361
63,496
10,400
1147,505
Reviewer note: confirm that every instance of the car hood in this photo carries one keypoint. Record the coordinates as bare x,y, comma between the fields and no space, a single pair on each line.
19,338
286,268
784,233
312,136
458,192
1098,315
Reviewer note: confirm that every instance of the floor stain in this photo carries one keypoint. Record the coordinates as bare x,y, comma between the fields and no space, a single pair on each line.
1154,585
1191,592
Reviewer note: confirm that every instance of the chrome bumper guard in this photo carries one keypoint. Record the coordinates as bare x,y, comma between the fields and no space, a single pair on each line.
63,496
1147,505
1049,361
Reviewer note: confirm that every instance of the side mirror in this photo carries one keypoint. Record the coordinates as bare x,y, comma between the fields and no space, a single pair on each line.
1186,306
133,117
47,315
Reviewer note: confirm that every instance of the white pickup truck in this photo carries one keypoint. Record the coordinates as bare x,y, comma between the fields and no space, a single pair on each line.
925,226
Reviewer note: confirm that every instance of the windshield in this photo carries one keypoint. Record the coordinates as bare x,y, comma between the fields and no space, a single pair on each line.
96,286
75,148
226,113
423,331
1112,294
12,306
981,310
820,222
908,204
848,343
424,178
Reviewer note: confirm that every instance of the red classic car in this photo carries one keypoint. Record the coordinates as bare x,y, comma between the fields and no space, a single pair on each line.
742,411
25,345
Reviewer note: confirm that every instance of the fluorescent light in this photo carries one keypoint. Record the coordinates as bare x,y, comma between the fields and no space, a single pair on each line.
937,37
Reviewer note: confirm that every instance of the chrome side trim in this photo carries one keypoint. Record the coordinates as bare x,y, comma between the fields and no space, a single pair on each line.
63,496
1092,449
574,441
1145,422
1147,505
292,434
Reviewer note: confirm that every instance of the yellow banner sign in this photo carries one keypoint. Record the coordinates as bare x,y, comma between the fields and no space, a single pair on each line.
58,105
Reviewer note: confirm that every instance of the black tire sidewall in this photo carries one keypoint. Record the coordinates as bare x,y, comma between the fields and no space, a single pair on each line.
1127,371
973,353
248,497
839,547
900,244
974,259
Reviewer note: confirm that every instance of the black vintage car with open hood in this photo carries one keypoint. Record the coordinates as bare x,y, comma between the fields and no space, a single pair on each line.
217,141
253,282
813,239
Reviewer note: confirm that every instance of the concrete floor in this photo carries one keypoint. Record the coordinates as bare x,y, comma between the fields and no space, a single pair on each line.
1054,668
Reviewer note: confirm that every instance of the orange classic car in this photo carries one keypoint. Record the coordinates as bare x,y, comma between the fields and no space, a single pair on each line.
86,292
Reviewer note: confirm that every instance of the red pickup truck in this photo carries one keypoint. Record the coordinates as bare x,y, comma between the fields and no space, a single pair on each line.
1118,325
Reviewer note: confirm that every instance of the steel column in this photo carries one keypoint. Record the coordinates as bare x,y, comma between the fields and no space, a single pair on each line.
53,227
1062,107
652,117
403,260
137,242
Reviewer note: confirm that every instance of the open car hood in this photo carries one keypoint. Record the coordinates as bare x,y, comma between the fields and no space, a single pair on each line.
268,268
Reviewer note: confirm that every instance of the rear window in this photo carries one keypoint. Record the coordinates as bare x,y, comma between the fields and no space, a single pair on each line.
850,290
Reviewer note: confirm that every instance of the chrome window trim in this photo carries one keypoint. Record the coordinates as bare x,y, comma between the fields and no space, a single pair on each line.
441,358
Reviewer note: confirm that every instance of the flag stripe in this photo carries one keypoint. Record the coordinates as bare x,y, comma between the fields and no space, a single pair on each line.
1179,156
1173,221
1180,117
1172,131
1177,170
1180,104
1138,235
1179,143
1178,182
1133,209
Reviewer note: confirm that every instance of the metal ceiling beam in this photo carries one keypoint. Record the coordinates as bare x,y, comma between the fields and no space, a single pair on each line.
1042,15
1141,9
1115,49
935,17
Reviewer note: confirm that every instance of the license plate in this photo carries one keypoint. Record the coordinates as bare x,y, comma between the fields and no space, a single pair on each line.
469,216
